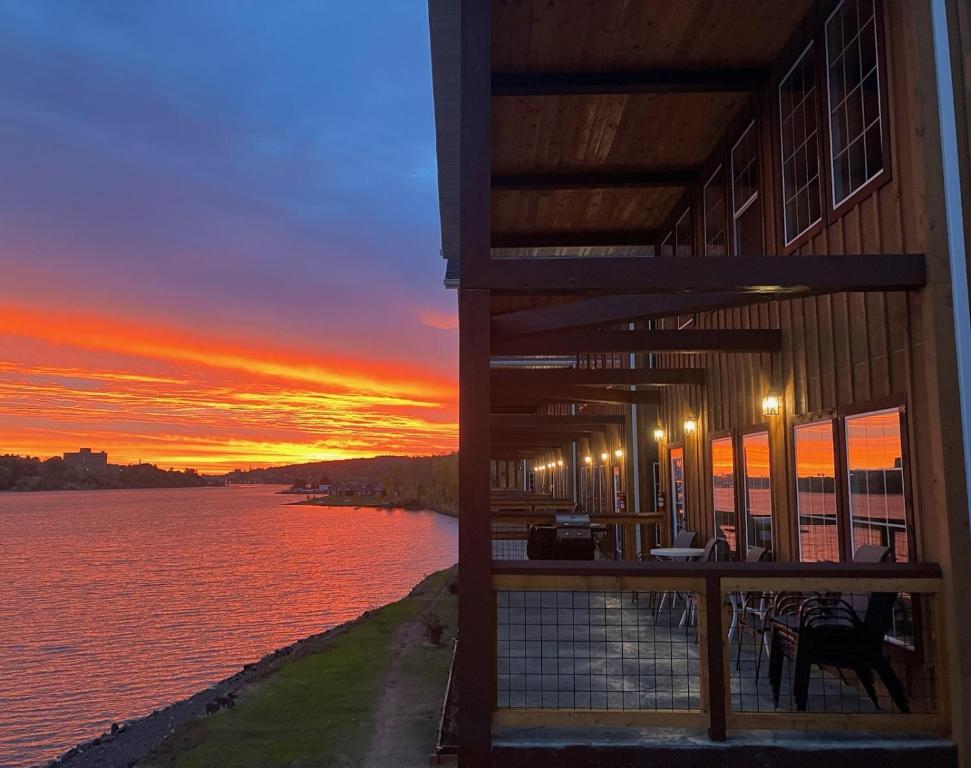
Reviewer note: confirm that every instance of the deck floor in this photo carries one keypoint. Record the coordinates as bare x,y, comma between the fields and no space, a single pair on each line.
584,650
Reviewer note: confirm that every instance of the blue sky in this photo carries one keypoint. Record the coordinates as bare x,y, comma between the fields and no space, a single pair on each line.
261,174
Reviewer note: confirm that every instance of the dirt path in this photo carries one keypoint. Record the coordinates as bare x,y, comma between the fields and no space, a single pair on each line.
396,743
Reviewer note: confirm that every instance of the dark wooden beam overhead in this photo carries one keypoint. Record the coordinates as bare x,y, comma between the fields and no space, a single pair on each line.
575,394
692,341
610,310
534,182
717,80
573,239
543,420
528,378
757,274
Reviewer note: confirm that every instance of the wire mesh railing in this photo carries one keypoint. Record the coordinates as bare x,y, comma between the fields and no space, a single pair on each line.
722,645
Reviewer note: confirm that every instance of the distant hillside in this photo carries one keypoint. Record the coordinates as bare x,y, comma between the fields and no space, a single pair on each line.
415,481
26,473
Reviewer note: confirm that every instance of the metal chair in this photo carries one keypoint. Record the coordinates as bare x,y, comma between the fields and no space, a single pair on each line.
751,612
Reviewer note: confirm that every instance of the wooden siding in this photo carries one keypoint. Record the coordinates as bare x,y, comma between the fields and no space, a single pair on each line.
839,350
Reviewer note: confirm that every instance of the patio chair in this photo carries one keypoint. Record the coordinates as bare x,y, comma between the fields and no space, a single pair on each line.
716,549
832,633
751,613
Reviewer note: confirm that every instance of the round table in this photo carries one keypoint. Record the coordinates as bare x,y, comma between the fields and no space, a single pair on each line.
676,553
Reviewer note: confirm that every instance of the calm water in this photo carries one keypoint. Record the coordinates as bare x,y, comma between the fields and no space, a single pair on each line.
114,603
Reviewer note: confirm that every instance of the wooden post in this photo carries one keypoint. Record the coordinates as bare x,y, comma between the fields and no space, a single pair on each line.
475,663
714,650
475,670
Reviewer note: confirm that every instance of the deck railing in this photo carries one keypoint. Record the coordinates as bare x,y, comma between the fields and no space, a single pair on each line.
680,644
617,537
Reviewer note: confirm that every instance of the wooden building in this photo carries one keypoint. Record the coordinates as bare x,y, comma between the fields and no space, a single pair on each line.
711,261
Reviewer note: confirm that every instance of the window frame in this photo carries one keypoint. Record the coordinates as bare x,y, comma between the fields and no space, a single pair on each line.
684,483
733,213
741,495
719,168
725,434
837,416
837,209
819,417
859,409
822,154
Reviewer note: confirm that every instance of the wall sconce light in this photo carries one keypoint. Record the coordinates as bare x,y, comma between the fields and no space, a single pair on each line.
588,459
604,456
559,463
690,425
658,434
549,466
771,404
619,453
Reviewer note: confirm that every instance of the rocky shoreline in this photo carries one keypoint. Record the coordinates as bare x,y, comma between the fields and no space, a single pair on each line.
125,743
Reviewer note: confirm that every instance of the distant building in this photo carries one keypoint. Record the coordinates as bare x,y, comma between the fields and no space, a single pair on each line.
87,460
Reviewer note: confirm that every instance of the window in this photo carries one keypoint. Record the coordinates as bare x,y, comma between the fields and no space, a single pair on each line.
716,238
684,241
758,493
853,78
800,147
723,490
746,207
678,510
816,493
874,462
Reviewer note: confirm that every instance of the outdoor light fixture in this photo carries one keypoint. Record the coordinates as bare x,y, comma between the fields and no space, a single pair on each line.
619,453
690,425
588,459
604,456
559,463
658,434
771,404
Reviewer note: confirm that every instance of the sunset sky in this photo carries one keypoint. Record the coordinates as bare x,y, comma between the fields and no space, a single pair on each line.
219,233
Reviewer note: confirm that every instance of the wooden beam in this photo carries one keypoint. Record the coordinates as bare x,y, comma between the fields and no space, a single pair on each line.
756,274
575,394
537,182
691,341
612,310
716,80
528,378
573,239
544,420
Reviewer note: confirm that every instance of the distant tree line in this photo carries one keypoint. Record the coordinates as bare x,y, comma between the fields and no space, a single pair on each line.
26,473
429,482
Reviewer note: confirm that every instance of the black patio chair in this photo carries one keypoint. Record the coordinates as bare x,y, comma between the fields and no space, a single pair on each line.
753,613
831,632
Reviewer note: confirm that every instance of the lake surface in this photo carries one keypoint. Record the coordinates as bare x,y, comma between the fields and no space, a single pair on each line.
115,603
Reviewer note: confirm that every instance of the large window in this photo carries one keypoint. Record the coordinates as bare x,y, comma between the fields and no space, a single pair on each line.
678,509
716,238
723,491
758,493
746,206
874,461
853,77
816,493
798,117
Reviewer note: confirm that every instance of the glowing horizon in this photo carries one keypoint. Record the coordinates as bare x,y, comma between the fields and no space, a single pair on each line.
175,398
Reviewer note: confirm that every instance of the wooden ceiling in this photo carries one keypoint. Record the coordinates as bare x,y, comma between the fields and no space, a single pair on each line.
618,132
605,35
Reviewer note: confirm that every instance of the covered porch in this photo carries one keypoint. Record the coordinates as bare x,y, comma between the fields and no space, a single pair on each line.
689,304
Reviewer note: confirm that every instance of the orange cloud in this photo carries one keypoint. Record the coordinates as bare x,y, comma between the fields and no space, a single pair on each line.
183,398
